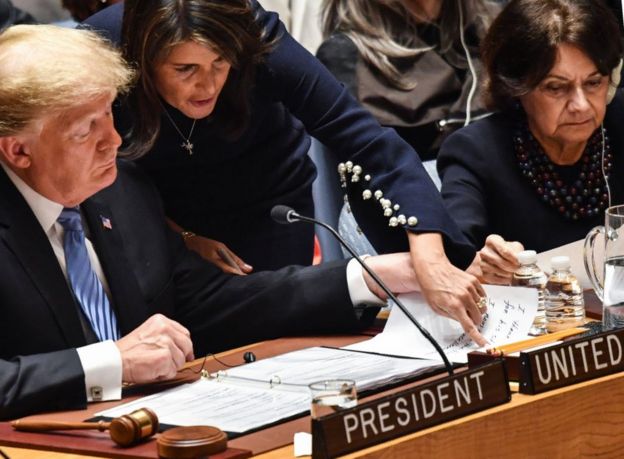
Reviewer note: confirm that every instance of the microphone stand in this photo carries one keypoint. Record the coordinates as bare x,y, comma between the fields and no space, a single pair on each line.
293,216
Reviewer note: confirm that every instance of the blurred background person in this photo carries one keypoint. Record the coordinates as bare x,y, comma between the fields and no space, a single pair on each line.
82,9
302,19
11,15
414,64
543,169
44,11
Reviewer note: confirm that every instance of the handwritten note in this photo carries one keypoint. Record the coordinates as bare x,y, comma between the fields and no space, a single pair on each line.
509,316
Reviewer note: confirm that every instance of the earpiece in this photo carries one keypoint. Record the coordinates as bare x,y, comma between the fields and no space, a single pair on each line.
249,357
614,81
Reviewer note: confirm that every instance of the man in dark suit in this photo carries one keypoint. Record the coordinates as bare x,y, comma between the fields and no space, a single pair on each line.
95,288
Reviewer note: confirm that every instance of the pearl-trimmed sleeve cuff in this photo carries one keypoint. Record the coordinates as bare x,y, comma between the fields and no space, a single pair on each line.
358,290
101,363
388,208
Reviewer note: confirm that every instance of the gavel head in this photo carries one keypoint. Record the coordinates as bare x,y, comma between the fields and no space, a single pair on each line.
129,429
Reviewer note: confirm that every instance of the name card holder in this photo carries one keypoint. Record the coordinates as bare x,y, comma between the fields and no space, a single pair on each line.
572,362
410,410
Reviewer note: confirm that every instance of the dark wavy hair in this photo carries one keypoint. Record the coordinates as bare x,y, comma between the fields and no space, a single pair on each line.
520,47
151,28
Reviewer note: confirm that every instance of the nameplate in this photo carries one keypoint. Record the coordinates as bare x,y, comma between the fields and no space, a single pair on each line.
410,410
572,362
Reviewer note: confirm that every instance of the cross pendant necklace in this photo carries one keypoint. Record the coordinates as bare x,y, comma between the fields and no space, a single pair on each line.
187,145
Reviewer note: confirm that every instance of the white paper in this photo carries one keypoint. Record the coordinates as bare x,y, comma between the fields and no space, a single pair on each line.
268,390
509,316
300,368
302,442
209,402
574,250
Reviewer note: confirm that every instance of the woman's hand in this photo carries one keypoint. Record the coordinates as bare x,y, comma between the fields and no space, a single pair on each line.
214,251
449,291
496,262
218,253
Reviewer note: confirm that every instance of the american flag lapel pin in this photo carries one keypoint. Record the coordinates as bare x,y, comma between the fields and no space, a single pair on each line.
106,223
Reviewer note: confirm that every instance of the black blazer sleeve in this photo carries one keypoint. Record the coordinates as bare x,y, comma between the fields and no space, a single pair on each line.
389,164
42,382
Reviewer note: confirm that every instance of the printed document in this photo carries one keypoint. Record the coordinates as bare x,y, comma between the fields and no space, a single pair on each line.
263,392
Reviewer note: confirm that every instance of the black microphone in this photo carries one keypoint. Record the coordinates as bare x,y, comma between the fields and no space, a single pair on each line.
286,215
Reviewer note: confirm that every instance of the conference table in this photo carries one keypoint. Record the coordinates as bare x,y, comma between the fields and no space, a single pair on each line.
582,420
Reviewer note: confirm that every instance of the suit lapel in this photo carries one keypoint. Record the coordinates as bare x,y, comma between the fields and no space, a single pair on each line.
21,232
127,301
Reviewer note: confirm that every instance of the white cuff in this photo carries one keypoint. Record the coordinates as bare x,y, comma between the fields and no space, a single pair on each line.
358,290
101,363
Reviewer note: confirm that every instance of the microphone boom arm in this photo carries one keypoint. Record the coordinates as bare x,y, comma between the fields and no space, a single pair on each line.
293,216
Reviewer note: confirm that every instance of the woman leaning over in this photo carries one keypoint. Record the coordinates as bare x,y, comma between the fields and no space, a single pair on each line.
220,120
544,168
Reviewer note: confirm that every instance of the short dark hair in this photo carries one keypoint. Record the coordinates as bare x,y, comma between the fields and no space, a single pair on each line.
520,47
151,28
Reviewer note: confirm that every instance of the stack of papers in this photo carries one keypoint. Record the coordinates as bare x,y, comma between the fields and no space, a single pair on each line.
266,391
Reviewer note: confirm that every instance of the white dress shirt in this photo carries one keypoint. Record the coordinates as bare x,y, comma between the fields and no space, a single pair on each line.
101,361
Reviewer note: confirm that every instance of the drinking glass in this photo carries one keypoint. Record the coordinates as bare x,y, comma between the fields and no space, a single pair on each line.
332,395
611,289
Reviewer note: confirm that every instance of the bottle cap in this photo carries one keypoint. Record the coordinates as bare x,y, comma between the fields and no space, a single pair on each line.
527,257
561,262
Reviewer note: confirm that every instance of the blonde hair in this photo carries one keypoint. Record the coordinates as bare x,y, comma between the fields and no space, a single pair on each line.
45,69
383,30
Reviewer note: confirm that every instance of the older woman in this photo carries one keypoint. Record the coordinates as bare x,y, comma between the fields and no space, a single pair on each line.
541,170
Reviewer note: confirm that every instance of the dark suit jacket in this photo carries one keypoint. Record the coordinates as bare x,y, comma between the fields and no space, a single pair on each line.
149,271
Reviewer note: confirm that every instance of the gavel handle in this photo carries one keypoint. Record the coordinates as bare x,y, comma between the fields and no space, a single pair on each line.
44,426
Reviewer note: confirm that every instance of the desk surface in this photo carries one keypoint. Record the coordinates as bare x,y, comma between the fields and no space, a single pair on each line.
583,420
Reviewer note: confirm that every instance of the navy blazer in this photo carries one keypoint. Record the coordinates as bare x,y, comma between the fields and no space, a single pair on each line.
149,270
485,191
294,96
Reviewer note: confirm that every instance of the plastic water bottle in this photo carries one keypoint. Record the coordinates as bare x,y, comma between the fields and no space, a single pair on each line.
530,275
565,306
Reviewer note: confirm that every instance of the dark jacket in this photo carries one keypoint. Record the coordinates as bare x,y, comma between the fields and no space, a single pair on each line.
149,271
486,193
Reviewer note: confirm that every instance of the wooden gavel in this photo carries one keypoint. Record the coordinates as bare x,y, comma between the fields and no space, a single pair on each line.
125,430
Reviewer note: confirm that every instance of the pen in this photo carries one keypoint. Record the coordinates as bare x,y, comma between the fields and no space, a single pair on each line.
533,342
225,256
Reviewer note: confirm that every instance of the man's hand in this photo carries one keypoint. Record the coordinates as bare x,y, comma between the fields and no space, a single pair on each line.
449,291
155,350
395,270
497,260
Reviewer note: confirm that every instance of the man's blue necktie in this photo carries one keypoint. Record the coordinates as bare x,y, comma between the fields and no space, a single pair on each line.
83,280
